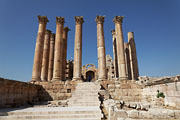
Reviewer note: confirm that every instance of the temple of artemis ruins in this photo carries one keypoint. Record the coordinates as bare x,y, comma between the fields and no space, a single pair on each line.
64,89
50,63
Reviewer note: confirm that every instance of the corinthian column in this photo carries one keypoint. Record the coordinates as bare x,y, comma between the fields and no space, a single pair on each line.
133,56
115,54
45,60
127,57
58,53
36,73
101,49
65,34
78,49
51,57
120,47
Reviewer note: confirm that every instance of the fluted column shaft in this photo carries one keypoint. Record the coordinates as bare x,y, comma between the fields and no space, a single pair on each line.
115,54
65,35
51,57
78,49
120,47
36,73
133,56
102,74
127,57
58,53
45,60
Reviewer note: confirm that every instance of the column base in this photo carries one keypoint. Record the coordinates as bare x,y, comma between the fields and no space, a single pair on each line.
44,80
36,80
123,78
56,79
77,79
100,79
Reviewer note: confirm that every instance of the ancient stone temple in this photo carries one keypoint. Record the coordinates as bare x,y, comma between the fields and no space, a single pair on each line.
52,66
67,90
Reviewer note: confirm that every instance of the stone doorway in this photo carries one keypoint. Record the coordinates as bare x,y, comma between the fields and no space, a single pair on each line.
90,76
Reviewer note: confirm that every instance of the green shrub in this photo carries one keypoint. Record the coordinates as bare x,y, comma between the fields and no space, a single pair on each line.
160,94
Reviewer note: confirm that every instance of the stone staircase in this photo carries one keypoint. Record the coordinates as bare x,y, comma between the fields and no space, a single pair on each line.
83,105
86,94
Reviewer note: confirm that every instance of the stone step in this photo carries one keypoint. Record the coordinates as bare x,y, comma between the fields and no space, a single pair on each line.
87,91
88,88
49,112
84,95
84,99
83,104
66,119
51,116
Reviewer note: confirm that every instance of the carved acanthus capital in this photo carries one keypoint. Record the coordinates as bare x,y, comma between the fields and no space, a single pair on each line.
60,20
118,19
100,19
79,19
42,19
113,32
66,29
48,32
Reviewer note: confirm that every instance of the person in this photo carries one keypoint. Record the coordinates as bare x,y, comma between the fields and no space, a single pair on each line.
89,78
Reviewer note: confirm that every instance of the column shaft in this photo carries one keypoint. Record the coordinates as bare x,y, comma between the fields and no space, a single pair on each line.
133,56
115,54
127,57
102,74
45,59
65,35
58,53
36,73
51,57
78,49
120,47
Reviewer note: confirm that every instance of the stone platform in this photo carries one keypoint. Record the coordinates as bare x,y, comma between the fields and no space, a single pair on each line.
51,113
83,105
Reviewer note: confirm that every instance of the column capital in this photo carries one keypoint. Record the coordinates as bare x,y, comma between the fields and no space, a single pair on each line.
131,33
118,19
99,19
53,36
66,29
79,19
48,32
42,19
60,20
113,32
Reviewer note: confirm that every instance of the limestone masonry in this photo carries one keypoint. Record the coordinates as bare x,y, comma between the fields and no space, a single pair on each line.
62,89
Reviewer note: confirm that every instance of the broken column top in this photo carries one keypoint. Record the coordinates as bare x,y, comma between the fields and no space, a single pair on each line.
66,29
48,31
113,32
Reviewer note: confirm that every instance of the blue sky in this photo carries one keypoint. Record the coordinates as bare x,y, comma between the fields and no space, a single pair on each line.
155,23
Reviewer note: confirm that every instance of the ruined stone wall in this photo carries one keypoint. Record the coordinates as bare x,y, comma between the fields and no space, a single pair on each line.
170,90
15,93
127,90
59,90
